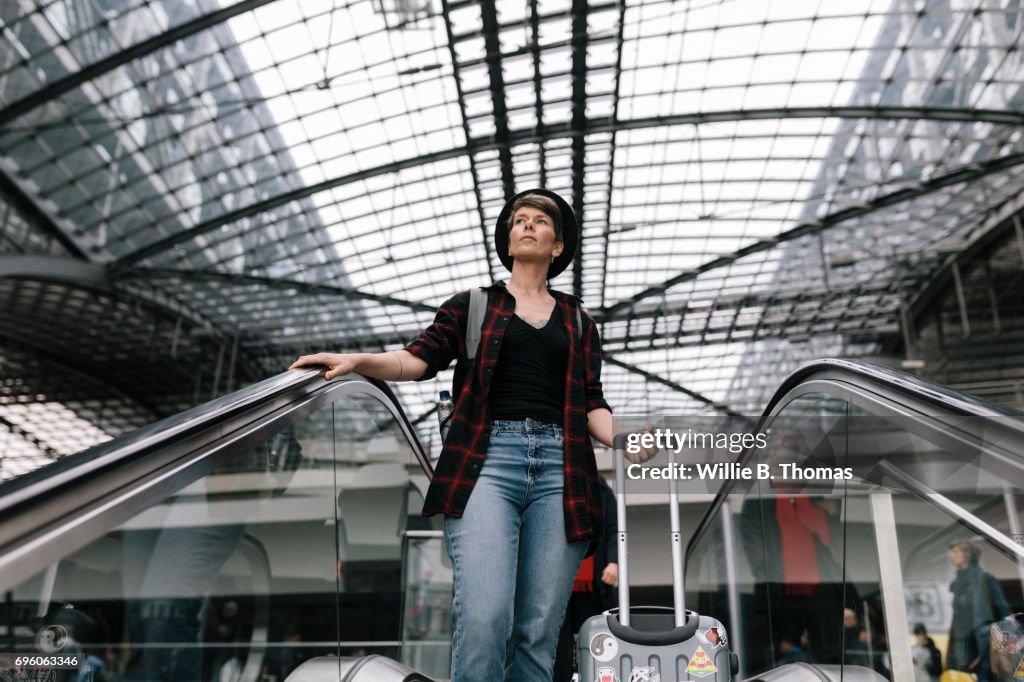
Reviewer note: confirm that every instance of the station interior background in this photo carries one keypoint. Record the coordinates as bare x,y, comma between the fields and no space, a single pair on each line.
193,193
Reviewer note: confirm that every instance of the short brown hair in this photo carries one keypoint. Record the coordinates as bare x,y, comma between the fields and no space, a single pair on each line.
541,203
969,549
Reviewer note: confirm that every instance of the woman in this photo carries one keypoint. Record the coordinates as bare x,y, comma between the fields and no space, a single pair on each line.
978,601
516,480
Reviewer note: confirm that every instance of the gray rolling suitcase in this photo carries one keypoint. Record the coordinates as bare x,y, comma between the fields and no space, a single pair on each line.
651,643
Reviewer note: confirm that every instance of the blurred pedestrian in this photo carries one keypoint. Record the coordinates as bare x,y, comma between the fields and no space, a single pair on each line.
978,602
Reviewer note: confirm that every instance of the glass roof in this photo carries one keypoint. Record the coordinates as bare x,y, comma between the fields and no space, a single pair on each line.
759,183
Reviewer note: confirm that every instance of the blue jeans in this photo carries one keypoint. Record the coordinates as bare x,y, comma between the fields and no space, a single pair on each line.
512,566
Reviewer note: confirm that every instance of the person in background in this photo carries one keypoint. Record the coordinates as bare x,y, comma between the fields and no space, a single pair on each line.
794,545
978,602
790,651
593,589
927,659
855,648
92,667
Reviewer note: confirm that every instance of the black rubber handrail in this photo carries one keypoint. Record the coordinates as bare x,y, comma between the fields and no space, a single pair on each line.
105,456
893,382
81,466
60,507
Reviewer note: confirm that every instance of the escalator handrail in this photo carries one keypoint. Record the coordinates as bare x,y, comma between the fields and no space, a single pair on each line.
146,465
80,466
883,381
102,457
879,377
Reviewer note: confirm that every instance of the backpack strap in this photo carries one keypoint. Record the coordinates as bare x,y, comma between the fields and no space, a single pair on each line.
477,308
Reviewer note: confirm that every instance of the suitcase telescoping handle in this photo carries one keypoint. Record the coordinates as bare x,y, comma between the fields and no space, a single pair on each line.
619,455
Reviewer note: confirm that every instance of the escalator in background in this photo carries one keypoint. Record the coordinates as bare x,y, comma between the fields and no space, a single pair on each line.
828,578
240,540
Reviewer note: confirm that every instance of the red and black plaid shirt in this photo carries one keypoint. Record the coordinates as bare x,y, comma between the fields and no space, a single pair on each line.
465,448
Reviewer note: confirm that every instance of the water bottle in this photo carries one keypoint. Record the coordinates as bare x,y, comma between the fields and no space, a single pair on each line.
445,408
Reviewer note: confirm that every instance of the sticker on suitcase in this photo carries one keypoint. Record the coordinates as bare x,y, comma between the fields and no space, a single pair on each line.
701,665
644,674
606,675
714,637
604,647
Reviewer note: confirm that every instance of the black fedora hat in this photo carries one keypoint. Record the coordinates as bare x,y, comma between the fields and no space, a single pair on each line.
570,232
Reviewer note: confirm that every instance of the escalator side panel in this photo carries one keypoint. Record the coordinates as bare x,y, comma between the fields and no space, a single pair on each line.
239,557
930,471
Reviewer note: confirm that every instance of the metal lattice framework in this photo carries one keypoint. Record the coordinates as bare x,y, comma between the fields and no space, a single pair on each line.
758,183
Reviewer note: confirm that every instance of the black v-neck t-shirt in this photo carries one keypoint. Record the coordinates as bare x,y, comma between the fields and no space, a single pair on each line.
529,377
